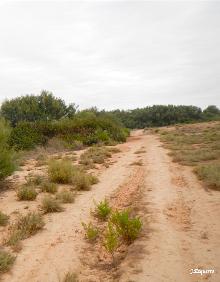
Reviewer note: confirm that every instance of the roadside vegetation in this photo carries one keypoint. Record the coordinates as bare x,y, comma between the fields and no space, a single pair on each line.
198,146
24,227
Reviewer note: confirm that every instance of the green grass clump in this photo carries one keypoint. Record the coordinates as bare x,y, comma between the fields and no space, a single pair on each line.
91,232
210,173
50,204
126,226
35,180
49,187
70,277
25,227
103,210
6,261
3,219
61,171
26,193
66,196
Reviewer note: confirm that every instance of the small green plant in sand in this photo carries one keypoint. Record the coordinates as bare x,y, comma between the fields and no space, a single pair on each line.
128,227
91,232
61,171
111,239
103,210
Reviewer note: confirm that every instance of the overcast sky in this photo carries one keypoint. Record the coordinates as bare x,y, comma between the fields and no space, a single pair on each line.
112,54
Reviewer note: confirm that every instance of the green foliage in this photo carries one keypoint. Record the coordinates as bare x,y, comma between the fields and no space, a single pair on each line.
111,239
25,227
26,136
61,171
160,115
3,219
103,209
33,108
66,196
7,163
50,204
91,232
49,187
128,227
26,193
6,261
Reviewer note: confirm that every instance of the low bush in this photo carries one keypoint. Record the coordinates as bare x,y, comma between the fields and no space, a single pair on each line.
103,210
49,187
61,171
66,196
91,232
6,261
3,219
26,193
126,226
50,204
25,227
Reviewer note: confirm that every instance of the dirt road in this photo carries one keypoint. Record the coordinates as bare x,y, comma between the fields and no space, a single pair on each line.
182,229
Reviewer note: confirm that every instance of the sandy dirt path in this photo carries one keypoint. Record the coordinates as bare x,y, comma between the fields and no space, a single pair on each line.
182,233
184,225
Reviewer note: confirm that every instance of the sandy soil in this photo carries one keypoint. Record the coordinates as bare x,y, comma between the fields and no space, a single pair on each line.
181,230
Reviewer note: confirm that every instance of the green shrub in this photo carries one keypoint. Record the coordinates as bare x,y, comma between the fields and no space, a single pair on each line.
50,204
111,240
26,193
49,187
25,227
61,171
3,219
25,136
6,261
91,232
103,209
7,156
129,228
66,196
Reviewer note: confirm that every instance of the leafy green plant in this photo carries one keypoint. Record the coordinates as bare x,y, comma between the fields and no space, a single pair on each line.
6,261
103,210
111,239
91,232
126,226
50,204
3,219
26,193
66,196
49,187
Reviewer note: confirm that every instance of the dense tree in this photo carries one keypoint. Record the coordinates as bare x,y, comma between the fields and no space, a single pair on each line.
34,108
